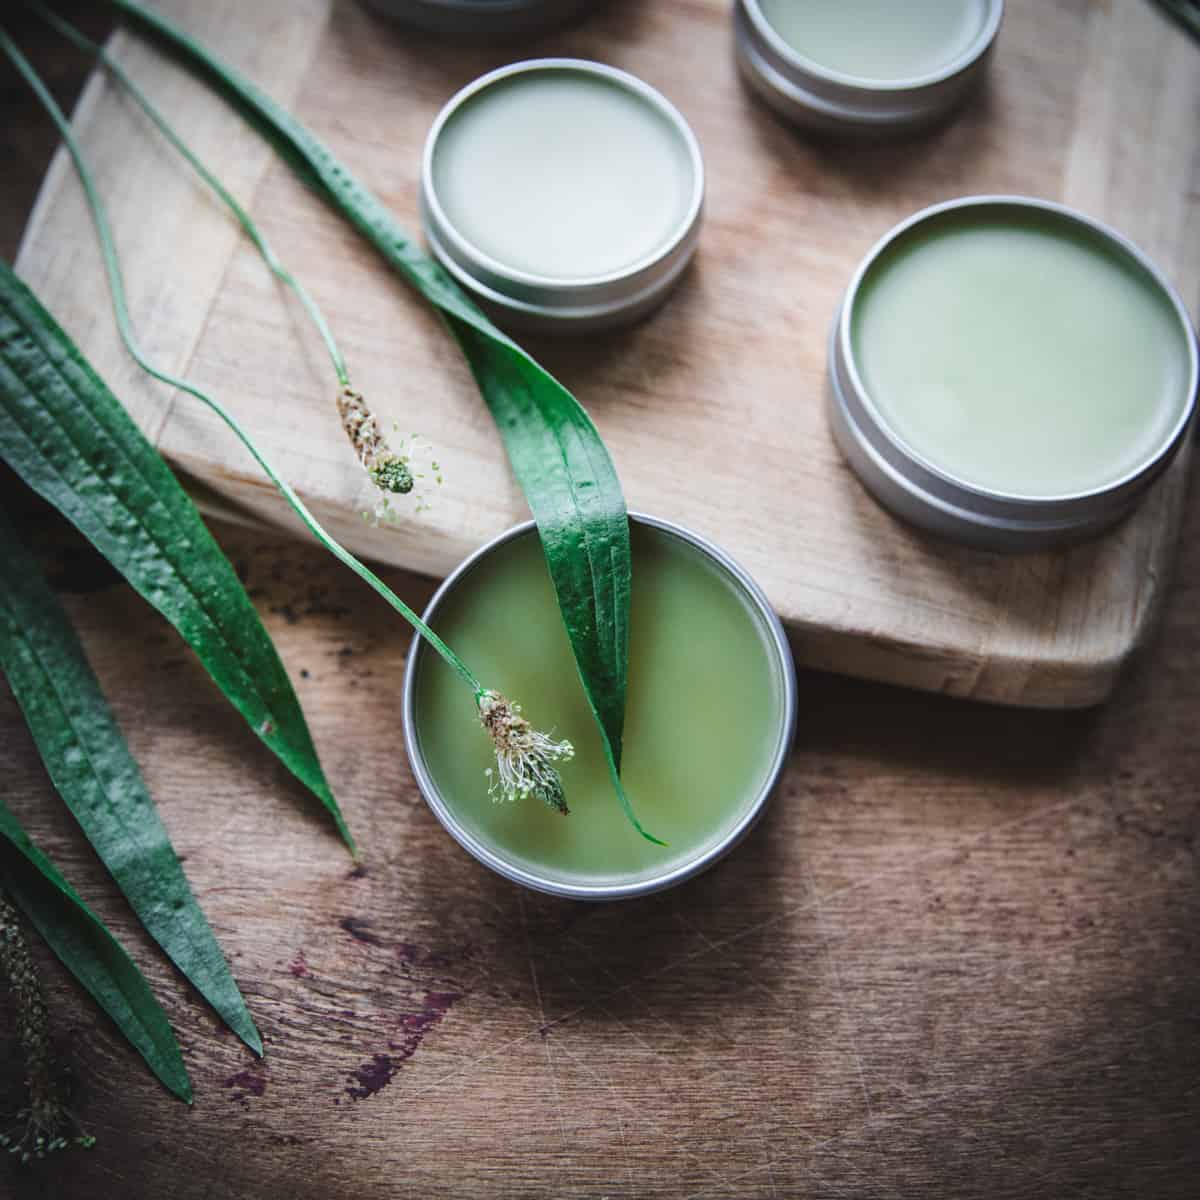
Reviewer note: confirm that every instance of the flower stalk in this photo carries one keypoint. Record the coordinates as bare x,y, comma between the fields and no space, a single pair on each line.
392,473
525,758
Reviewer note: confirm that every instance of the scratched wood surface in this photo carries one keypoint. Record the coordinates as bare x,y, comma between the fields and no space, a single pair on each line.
956,962
713,409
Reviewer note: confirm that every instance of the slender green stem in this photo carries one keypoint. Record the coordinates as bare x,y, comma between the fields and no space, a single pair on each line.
243,217
124,324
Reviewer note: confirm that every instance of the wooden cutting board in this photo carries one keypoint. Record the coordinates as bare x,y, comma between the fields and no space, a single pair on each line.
713,409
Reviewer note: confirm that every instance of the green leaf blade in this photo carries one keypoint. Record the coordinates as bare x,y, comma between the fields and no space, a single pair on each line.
573,492
69,439
558,457
90,765
90,953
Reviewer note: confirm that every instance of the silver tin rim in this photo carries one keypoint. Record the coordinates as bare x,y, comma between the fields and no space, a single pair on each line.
829,101
483,18
926,495
489,858
542,302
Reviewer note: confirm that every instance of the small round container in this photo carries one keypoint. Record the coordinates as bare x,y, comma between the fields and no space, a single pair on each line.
1009,373
565,196
769,751
483,18
848,76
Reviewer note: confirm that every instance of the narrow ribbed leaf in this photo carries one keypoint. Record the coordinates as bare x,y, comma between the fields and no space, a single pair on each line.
69,439
558,458
89,763
1185,12
89,952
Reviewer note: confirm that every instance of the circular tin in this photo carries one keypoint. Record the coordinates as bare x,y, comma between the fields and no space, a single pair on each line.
827,101
931,498
483,18
542,303
757,601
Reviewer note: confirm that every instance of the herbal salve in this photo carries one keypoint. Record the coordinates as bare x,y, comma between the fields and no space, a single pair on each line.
563,174
873,67
886,41
562,190
708,717
1008,367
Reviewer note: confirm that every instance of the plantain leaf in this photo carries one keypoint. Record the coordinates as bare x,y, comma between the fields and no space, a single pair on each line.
558,458
69,439
89,952
90,765
1186,13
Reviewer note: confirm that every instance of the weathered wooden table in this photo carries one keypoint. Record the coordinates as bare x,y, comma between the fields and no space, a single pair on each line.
960,958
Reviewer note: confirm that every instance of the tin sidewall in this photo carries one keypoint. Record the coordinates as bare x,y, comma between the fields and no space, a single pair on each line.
473,20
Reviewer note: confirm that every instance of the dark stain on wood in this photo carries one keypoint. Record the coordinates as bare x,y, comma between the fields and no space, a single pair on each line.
377,1072
359,928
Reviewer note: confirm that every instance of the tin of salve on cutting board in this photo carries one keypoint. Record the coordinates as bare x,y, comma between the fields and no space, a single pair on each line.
873,67
484,18
1010,373
564,195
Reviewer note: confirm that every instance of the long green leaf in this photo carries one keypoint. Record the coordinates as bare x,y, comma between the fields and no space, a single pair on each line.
1185,12
90,765
556,453
69,439
90,953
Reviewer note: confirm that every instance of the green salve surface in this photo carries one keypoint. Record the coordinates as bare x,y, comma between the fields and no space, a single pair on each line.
704,718
1019,351
563,174
885,41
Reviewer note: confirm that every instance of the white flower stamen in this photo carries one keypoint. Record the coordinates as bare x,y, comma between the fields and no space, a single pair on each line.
525,756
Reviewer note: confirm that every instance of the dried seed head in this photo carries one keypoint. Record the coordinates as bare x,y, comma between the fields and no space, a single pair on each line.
525,756
389,471
47,1125
361,426
394,472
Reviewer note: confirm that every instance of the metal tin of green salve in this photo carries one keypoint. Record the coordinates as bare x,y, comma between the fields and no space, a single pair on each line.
597,295
484,18
946,501
783,726
836,101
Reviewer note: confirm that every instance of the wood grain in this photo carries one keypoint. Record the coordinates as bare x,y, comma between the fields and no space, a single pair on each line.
956,962
714,408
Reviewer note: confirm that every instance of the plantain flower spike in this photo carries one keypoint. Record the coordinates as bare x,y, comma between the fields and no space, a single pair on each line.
48,1126
525,756
389,472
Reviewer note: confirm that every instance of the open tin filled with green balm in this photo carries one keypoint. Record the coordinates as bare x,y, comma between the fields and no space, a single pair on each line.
563,195
709,717
1010,373
864,66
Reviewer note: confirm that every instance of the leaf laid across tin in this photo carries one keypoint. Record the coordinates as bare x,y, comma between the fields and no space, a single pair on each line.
90,765
557,455
69,439
89,952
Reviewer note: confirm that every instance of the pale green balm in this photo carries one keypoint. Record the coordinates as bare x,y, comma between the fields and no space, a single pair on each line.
1020,352
704,719
878,40
563,174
